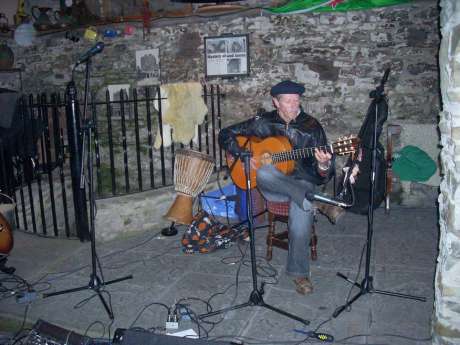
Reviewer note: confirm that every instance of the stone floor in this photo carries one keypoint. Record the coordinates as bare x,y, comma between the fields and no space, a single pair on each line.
404,252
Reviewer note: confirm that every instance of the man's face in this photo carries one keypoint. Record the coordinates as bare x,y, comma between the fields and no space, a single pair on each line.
288,106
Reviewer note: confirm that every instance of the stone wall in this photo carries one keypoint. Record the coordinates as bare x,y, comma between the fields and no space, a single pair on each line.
446,323
339,56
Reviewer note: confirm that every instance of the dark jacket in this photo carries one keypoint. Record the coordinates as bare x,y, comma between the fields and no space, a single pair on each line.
304,131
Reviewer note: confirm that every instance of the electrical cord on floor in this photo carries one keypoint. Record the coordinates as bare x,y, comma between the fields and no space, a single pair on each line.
19,339
21,328
145,308
195,319
14,285
109,327
66,273
105,329
142,260
236,284
193,316
384,335
83,302
97,322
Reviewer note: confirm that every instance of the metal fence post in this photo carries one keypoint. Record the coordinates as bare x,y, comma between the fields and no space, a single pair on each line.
75,147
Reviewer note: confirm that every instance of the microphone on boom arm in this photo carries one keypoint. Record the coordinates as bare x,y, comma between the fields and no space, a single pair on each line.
96,49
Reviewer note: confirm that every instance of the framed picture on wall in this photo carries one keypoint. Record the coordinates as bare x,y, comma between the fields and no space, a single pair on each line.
148,66
226,56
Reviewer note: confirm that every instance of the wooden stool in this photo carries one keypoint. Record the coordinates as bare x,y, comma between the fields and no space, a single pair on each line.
279,211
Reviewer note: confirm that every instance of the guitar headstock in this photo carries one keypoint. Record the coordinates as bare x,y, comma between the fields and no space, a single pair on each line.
345,145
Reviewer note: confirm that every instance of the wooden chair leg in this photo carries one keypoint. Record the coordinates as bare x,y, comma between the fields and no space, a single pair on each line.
271,231
313,243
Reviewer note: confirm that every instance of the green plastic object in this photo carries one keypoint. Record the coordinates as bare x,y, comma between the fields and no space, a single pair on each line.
413,164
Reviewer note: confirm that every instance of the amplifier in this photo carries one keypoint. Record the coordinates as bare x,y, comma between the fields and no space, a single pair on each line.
138,337
44,333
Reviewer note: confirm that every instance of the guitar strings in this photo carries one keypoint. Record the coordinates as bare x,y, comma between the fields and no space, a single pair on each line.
297,153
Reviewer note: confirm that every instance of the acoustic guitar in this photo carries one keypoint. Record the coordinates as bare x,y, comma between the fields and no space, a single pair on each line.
278,150
6,236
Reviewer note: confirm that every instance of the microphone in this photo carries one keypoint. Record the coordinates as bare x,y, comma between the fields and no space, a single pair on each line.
96,49
317,197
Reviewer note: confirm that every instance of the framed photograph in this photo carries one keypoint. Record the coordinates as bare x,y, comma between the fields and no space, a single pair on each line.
148,66
226,56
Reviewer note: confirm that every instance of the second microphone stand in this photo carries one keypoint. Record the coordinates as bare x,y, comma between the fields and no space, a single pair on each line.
95,283
366,285
255,298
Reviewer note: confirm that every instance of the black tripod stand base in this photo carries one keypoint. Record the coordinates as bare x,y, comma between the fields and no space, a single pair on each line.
169,231
366,287
255,300
96,285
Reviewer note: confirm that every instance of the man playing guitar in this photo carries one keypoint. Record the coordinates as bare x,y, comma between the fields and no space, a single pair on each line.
302,130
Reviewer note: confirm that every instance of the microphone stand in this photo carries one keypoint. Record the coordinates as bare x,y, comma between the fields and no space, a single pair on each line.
95,283
366,285
255,298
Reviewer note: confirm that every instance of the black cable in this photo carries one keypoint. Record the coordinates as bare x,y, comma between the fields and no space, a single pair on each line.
384,335
209,308
268,271
194,317
237,275
21,285
109,327
66,273
81,303
18,339
21,328
92,324
145,307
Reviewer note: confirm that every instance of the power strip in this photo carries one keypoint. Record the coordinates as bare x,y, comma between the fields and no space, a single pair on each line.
172,322
26,297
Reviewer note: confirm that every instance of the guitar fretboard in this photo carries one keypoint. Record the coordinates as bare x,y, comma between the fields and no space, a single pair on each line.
297,153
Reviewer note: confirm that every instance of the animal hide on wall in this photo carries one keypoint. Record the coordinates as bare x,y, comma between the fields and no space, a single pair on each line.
183,110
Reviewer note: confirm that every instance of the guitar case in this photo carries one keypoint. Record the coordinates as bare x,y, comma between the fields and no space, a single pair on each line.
359,196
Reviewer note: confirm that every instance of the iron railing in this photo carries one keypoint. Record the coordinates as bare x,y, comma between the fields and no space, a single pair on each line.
37,176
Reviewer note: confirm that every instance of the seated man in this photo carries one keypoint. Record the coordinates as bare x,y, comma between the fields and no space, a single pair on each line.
302,130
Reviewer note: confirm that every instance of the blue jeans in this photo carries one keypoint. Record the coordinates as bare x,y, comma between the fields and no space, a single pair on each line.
275,186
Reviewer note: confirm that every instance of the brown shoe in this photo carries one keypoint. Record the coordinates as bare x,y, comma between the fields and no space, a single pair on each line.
303,285
333,213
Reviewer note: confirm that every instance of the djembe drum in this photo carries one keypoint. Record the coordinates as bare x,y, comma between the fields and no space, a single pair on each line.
192,170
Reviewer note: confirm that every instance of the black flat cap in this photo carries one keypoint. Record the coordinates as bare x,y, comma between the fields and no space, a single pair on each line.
287,87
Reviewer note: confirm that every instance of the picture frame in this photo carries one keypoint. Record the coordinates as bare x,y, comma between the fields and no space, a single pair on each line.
226,56
148,66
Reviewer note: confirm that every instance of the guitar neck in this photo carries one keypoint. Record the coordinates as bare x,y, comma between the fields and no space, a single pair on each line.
297,154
